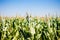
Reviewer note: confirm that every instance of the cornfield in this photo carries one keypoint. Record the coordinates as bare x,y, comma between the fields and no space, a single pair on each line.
29,28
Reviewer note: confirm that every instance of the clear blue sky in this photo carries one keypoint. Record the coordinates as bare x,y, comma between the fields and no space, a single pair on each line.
33,7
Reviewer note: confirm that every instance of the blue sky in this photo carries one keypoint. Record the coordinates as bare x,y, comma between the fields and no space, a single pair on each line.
33,7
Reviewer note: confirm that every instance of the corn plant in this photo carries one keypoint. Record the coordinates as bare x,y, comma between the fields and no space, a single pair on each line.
29,28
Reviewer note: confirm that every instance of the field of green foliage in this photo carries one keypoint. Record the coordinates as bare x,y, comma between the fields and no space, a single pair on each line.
29,28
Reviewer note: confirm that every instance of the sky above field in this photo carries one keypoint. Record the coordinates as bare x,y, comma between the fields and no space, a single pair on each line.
33,7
